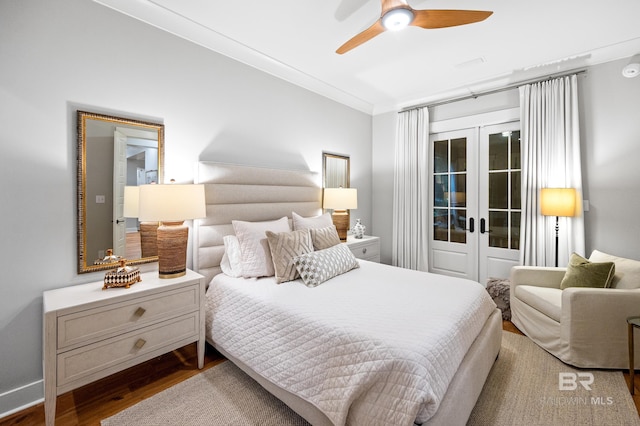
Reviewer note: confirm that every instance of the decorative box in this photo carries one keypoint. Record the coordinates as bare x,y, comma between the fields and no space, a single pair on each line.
124,276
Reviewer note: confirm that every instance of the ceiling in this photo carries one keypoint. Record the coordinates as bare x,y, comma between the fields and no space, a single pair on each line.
296,41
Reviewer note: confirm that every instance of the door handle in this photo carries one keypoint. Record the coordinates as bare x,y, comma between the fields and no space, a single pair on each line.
472,225
118,221
483,227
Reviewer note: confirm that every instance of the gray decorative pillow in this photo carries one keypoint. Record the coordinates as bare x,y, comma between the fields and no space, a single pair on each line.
284,247
320,266
583,273
324,238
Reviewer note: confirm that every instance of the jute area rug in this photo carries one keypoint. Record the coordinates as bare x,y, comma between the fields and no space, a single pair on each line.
523,388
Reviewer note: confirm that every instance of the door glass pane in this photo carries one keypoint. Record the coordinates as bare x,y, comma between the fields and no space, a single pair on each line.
440,156
458,194
499,229
504,189
459,155
441,191
450,190
458,225
515,230
498,190
441,224
498,152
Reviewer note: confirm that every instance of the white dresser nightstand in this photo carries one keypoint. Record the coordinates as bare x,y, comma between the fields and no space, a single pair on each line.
365,248
90,333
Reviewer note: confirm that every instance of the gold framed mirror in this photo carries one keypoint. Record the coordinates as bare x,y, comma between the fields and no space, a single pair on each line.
113,153
335,170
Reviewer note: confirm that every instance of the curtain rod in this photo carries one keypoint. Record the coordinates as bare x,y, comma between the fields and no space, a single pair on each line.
498,90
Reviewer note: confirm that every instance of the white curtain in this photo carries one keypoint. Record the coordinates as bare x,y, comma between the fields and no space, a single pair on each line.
411,191
551,159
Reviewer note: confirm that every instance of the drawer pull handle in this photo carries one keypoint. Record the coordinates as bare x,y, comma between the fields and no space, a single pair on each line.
140,343
364,250
140,312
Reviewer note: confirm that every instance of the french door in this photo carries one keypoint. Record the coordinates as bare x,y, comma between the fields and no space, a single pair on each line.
475,202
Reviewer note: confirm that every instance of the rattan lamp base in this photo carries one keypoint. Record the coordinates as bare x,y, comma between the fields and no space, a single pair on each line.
149,238
172,249
341,221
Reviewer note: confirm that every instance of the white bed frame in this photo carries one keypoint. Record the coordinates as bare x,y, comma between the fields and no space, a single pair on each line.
250,193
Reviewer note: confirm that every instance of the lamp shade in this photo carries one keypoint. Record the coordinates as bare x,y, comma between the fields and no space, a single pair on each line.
131,198
340,198
171,203
558,202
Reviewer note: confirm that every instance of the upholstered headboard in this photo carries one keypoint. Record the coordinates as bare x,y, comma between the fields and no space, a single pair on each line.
249,193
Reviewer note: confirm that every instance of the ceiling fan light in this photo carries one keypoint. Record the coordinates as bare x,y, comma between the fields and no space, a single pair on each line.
397,19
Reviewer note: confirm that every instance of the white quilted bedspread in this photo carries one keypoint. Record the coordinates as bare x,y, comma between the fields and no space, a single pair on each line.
378,345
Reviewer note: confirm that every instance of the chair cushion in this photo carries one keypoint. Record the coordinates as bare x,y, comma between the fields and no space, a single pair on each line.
627,270
544,299
584,273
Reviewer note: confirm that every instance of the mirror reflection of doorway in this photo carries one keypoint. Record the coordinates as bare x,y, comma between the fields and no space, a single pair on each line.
141,164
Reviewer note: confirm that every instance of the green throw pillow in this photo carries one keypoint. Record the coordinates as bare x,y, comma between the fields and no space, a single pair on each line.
583,273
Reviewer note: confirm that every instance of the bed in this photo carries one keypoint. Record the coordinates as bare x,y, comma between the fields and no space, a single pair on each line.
373,345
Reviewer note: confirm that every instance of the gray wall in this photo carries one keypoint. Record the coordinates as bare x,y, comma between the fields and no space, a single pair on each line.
610,130
610,135
61,56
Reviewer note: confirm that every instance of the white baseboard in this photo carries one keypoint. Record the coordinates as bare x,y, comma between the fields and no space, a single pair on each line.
20,398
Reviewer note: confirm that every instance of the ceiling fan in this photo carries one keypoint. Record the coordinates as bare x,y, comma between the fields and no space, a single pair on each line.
397,14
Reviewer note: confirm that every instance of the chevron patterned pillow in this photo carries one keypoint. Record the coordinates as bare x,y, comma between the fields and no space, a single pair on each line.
324,238
284,247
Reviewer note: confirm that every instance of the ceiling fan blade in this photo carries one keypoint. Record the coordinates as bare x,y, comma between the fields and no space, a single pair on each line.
365,35
447,18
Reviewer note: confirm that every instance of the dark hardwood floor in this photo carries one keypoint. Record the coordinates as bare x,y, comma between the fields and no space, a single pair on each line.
104,398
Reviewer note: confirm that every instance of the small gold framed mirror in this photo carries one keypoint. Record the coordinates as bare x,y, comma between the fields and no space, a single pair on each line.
335,170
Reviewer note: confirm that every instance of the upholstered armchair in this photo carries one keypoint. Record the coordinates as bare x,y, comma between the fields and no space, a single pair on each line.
584,327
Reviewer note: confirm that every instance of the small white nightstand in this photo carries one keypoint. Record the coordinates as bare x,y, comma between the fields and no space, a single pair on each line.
365,248
90,333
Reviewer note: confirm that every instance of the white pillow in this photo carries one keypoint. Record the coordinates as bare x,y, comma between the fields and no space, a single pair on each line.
254,247
315,222
627,270
231,263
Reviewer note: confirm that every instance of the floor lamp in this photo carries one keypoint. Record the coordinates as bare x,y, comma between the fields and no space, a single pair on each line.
558,202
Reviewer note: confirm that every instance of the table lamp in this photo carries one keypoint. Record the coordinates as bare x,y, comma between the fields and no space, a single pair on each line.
171,205
558,202
148,230
340,200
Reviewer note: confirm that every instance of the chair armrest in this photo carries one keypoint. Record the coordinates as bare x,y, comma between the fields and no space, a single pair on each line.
600,305
540,276
593,321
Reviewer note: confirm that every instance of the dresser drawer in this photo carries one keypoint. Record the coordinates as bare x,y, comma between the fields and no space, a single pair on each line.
112,353
81,328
